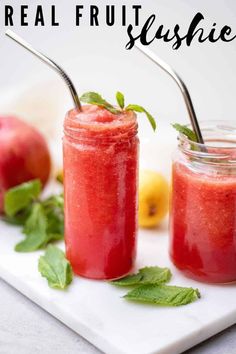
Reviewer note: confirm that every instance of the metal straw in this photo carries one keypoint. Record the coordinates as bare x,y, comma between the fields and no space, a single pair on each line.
168,69
50,63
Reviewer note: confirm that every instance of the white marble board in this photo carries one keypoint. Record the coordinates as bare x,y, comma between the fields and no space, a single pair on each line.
96,310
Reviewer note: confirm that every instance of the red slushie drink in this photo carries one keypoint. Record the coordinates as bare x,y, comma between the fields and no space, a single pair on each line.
203,206
100,183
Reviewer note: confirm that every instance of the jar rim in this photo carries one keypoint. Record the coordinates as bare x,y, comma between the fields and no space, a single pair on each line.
220,142
118,129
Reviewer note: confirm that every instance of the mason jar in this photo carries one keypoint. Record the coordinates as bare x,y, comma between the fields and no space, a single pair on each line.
100,184
203,205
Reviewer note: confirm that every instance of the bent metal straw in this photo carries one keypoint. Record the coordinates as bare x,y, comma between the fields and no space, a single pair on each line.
50,63
168,69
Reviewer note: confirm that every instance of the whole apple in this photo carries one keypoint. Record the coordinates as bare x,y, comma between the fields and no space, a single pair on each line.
24,154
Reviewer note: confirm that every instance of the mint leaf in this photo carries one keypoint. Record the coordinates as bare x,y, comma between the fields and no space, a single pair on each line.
54,211
155,275
19,197
44,224
163,295
35,230
183,129
120,99
18,219
140,109
55,268
95,98
147,275
129,280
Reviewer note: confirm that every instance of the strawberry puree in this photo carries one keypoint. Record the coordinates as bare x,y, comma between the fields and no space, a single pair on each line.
203,224
100,181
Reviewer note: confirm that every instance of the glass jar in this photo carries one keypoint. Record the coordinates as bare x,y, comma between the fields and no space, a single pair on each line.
203,205
100,183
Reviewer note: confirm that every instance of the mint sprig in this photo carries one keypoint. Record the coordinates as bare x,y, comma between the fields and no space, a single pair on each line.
183,129
164,295
55,268
149,286
97,99
18,198
146,275
140,109
42,221
120,99
34,229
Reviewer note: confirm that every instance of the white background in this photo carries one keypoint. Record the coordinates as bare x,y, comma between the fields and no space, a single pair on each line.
96,59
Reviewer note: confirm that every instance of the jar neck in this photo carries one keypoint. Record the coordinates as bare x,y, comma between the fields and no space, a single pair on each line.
99,126
219,150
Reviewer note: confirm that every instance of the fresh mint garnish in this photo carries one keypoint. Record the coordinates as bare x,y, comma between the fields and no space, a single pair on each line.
164,295
97,99
120,99
42,221
147,275
140,109
54,211
35,230
55,268
183,129
149,287
19,197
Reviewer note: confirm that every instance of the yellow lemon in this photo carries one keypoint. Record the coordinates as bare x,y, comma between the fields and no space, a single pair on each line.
153,198
59,176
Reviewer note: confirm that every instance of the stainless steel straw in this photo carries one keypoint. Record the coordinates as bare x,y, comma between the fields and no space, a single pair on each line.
50,63
168,69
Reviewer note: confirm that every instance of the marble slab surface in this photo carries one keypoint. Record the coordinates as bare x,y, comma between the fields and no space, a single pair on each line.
97,311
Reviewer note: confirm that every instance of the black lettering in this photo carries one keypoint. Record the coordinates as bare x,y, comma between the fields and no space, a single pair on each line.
94,15
178,41
123,15
110,15
78,13
8,15
39,16
165,36
143,34
54,22
191,31
136,11
210,36
168,35
132,40
24,15
226,30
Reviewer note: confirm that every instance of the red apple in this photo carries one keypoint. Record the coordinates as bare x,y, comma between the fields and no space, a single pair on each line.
24,154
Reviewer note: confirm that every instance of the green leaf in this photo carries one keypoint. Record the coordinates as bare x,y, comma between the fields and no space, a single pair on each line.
96,99
163,295
140,109
54,211
18,219
19,197
55,268
129,280
155,275
120,99
147,275
183,129
35,230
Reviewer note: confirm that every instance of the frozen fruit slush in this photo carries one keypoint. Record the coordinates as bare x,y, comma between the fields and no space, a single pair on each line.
100,181
203,224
